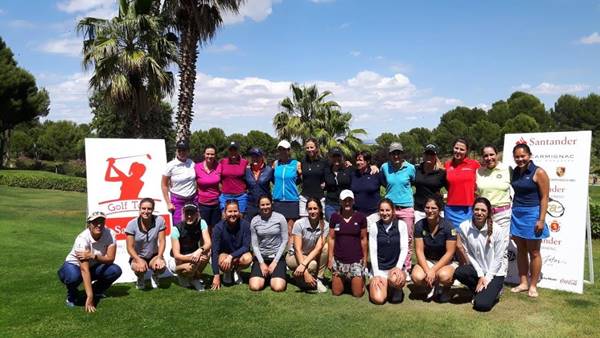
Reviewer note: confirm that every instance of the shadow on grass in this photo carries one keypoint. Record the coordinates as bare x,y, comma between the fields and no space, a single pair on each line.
580,303
458,295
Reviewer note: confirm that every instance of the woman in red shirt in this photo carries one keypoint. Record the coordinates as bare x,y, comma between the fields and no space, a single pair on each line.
461,174
233,182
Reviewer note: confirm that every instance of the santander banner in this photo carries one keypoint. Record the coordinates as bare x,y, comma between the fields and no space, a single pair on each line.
566,158
120,172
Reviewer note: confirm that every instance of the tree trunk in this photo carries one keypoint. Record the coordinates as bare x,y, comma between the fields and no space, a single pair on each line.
187,70
4,148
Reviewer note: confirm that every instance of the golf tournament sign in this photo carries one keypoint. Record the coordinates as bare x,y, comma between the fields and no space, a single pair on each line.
565,156
120,172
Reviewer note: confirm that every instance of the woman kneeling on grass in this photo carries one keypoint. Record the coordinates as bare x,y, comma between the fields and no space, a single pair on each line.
388,247
146,244
486,256
435,245
309,257
190,248
91,259
348,243
269,239
230,246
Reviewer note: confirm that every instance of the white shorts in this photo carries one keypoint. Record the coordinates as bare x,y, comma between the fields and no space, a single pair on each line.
431,263
302,206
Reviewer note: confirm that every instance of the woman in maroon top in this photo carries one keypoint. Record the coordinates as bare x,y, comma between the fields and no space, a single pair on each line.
233,172
348,244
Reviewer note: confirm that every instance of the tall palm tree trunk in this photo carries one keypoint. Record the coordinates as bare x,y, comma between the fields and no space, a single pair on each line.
187,69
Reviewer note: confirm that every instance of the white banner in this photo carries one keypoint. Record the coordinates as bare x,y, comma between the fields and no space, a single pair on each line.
120,172
565,156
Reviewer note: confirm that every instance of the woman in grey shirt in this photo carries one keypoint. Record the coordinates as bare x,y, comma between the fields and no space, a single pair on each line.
146,244
269,239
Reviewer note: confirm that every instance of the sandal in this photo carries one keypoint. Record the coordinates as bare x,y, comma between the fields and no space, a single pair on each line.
533,293
518,289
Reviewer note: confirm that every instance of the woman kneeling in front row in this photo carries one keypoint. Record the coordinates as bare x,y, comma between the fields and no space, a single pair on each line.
388,247
486,256
269,231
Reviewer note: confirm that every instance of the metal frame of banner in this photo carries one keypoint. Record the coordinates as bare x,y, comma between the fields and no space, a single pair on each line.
589,247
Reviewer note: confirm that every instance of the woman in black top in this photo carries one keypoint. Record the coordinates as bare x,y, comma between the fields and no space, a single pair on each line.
430,178
337,178
312,175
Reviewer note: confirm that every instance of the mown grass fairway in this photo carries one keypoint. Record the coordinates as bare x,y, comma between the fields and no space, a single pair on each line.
37,229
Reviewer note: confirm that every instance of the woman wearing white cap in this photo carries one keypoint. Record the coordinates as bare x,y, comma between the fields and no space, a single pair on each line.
285,192
179,181
91,259
348,244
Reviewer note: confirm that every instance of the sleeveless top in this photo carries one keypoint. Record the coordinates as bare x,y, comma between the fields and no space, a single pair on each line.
526,190
388,245
190,237
284,176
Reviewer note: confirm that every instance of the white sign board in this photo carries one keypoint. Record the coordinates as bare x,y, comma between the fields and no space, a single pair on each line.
565,156
120,172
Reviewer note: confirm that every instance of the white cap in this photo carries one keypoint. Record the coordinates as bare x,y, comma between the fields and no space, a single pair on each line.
284,144
346,194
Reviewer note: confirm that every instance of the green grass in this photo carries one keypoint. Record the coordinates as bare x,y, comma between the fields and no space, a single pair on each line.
37,229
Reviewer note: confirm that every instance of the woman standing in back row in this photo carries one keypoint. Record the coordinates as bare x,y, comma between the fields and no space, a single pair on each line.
528,222
460,176
179,181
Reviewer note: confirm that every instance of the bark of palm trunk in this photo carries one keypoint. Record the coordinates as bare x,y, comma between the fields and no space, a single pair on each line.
187,80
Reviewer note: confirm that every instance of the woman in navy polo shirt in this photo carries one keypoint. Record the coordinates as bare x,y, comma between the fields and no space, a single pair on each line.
435,245
365,185
528,226
258,178
337,178
388,247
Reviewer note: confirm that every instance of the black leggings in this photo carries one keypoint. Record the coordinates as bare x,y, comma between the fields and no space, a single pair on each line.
486,299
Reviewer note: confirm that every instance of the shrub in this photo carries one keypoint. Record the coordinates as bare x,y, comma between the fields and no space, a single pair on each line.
595,217
42,181
73,168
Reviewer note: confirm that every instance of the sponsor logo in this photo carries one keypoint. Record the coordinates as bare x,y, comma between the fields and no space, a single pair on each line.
555,226
548,142
572,282
555,208
560,171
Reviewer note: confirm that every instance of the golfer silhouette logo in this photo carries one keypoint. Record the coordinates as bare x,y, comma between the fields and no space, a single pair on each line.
131,183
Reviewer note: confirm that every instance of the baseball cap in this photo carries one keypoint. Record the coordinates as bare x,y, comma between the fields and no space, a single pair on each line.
346,194
190,206
256,152
395,146
234,145
183,145
284,144
431,148
95,215
335,151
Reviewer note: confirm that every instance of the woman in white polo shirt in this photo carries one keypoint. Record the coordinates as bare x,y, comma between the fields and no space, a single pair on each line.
179,181
91,259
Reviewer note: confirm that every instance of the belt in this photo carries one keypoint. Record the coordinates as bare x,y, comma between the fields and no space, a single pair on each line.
500,209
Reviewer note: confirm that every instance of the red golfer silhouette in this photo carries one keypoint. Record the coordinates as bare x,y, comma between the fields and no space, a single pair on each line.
131,184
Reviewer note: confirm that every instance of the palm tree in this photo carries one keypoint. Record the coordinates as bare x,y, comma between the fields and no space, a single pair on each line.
308,113
130,54
197,22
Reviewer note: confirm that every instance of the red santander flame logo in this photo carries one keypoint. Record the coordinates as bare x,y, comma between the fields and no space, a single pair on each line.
521,141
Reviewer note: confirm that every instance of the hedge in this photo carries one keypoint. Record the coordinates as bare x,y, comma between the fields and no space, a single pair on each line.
70,168
595,216
37,180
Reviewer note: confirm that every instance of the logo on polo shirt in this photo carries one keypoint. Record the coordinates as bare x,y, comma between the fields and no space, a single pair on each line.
499,176
453,232
424,233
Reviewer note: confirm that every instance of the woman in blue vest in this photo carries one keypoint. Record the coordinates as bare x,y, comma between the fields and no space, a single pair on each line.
388,247
258,179
285,193
528,222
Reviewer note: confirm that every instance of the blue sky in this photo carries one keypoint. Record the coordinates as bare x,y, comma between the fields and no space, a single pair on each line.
394,65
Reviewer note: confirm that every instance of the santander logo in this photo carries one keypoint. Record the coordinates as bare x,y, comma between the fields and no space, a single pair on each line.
521,141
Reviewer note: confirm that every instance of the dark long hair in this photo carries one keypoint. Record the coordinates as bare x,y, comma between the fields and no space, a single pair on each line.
488,220
320,207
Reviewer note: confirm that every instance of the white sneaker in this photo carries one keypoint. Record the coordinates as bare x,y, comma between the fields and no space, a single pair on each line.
227,277
236,278
140,284
320,287
198,284
183,282
154,281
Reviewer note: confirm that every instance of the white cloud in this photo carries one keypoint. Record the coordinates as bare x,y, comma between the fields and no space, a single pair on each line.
256,10
65,46
377,102
92,8
21,24
355,53
546,88
229,47
591,39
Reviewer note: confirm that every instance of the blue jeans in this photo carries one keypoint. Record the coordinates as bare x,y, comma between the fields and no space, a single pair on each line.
331,209
104,275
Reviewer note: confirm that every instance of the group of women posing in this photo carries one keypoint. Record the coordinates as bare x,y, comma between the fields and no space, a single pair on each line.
227,214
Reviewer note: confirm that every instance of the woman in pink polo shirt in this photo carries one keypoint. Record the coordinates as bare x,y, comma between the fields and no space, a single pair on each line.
461,175
233,183
208,177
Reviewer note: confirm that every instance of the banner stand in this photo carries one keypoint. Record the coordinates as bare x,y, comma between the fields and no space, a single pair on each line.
589,246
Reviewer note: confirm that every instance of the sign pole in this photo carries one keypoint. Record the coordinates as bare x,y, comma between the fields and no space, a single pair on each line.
589,246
